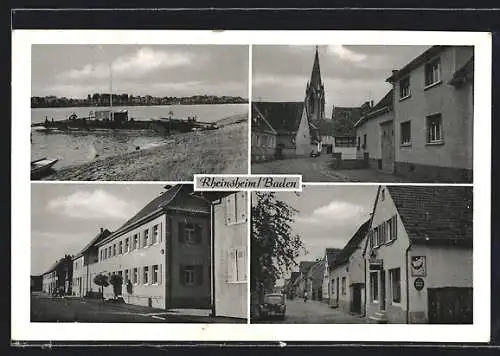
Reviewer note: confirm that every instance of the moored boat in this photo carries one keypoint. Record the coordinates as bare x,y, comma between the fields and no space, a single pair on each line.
42,166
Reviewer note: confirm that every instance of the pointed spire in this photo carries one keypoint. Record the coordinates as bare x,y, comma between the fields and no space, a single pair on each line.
315,81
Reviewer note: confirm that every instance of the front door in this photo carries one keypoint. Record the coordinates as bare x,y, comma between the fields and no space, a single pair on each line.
387,142
356,298
382,290
337,291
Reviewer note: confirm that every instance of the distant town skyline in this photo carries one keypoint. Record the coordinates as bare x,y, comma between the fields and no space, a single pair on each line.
156,70
65,217
351,74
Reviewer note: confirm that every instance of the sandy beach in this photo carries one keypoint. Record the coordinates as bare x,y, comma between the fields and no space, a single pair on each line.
222,151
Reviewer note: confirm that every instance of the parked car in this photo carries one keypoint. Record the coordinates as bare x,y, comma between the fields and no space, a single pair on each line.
273,306
315,153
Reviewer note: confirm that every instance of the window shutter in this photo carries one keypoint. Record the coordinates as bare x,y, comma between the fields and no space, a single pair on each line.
231,265
181,232
199,275
150,235
242,207
181,275
160,232
159,273
395,227
230,213
139,275
242,265
197,233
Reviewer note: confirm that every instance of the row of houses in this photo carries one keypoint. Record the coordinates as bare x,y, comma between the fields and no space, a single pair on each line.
422,129
184,249
410,262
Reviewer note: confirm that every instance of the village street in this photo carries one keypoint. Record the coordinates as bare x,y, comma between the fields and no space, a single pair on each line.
318,170
45,308
314,312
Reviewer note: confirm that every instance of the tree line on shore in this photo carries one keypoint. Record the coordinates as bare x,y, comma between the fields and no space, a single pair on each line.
98,99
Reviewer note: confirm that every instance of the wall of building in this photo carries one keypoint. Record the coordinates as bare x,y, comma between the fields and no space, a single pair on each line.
263,146
393,256
230,291
303,137
344,296
347,152
326,282
185,254
456,112
79,277
373,132
142,293
445,267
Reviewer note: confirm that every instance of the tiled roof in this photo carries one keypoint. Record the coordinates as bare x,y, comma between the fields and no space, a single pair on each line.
317,269
331,255
352,244
284,117
435,214
304,266
259,122
344,119
385,104
99,237
326,127
464,74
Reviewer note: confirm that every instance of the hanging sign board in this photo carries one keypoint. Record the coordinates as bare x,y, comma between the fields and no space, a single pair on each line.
376,264
418,266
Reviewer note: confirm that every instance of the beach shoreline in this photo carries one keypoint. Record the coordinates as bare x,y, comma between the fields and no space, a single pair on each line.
221,151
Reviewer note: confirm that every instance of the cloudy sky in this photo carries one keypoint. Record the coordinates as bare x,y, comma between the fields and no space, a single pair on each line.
65,217
351,74
329,215
157,70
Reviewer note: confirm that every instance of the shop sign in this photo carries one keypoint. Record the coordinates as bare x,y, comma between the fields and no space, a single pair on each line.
419,283
418,266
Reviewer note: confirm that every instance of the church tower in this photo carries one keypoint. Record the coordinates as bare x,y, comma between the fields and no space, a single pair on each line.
315,95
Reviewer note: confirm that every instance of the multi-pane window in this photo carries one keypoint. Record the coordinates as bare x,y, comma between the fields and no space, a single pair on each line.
189,231
191,275
395,277
125,279
343,286
120,247
145,275
405,133
154,236
102,255
146,238
154,274
106,253
404,88
434,128
236,208
345,141
237,265
135,276
374,286
364,141
135,243
433,72
127,244
392,224
110,251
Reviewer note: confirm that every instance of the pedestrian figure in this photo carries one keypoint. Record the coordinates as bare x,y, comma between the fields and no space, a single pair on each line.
305,297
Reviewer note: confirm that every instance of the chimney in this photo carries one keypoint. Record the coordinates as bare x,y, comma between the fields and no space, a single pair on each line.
371,103
102,230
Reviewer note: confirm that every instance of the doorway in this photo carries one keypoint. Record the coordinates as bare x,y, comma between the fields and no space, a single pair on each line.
382,290
356,299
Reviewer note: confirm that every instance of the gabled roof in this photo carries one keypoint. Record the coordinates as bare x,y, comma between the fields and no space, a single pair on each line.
284,117
464,74
384,105
259,122
421,59
352,244
99,237
317,269
435,214
343,119
304,266
331,254
165,200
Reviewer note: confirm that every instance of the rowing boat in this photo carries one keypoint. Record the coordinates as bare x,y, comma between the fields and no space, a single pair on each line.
42,166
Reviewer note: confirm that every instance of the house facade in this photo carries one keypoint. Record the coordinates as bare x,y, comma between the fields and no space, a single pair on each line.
59,276
163,252
347,273
36,283
330,255
263,137
343,129
433,115
230,269
85,266
375,134
418,255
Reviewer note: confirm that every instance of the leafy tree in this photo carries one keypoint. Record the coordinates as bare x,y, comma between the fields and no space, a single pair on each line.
116,281
102,281
274,246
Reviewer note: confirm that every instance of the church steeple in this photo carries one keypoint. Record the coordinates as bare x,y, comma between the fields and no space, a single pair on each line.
315,81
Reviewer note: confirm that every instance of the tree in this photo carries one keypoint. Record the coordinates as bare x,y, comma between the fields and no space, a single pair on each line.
116,281
274,246
102,281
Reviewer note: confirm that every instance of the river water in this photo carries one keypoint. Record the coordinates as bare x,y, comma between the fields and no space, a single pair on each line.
81,147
